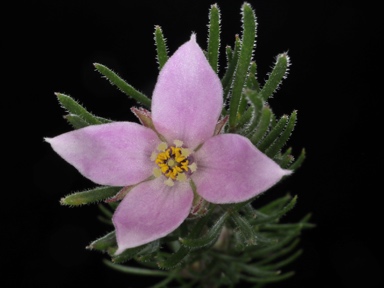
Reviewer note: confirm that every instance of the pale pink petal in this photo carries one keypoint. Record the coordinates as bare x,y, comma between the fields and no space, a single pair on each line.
151,211
116,154
230,170
187,99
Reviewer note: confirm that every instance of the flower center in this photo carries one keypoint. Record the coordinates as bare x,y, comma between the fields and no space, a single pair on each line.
174,162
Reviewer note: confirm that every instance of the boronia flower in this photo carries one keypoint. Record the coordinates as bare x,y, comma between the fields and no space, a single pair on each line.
176,159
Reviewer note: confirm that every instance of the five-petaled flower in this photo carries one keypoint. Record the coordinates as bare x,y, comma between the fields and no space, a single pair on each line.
165,164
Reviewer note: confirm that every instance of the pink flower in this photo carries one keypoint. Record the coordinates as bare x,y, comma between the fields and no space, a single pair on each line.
162,163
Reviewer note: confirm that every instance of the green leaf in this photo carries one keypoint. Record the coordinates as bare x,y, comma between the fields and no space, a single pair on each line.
246,117
285,159
281,227
175,259
73,107
161,47
279,253
295,165
257,105
278,73
104,243
286,261
262,126
267,250
273,134
89,196
271,279
126,255
231,67
104,220
275,205
135,270
252,82
278,214
108,213
209,238
76,121
115,79
214,37
256,271
246,51
246,229
272,150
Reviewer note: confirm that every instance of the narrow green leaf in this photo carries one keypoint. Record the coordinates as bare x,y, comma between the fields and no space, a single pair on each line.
275,205
256,271
135,270
271,279
229,270
208,238
108,213
231,67
273,134
279,72
252,82
89,196
285,159
262,126
73,107
214,37
286,261
246,51
246,229
164,283
161,47
104,120
257,104
104,220
76,121
267,250
278,214
175,259
103,243
281,227
228,53
126,255
228,258
115,79
295,165
246,117
272,150
279,253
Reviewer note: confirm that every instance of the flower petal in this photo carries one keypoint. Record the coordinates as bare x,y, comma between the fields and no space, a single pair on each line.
151,211
116,154
188,97
231,170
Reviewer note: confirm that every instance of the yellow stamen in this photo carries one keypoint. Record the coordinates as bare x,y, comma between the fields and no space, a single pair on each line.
157,172
193,167
181,177
162,146
173,162
178,143
169,182
185,152
153,156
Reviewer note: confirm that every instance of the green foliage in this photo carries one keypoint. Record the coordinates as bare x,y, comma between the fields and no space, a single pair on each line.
231,244
245,57
214,37
115,79
89,196
161,47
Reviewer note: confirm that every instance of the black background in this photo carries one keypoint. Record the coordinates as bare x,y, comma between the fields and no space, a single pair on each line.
334,83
